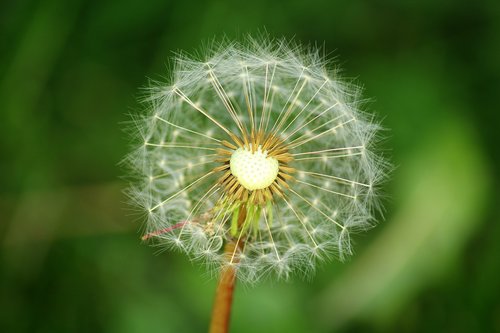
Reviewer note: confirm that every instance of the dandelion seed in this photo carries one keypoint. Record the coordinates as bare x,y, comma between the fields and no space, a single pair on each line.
258,147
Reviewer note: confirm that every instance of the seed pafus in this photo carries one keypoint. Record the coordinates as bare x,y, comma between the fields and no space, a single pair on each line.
260,145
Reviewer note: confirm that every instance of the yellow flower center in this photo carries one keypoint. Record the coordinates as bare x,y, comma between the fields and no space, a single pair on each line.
253,170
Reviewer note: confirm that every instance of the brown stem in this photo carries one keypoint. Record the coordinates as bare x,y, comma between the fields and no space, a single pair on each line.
221,312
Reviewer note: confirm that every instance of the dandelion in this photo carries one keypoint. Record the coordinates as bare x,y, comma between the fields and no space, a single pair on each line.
256,160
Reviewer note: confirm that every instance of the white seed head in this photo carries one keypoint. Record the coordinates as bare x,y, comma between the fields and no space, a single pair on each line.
261,145
254,170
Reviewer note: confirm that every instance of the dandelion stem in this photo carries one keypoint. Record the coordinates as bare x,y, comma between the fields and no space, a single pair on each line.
221,312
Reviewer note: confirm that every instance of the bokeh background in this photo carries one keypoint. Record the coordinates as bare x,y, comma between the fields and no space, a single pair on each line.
71,259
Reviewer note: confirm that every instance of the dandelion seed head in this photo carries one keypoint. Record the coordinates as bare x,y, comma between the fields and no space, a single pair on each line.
261,144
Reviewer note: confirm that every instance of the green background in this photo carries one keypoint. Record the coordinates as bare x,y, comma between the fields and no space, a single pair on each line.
71,259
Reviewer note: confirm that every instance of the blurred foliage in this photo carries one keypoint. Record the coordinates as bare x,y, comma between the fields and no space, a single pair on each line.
71,259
